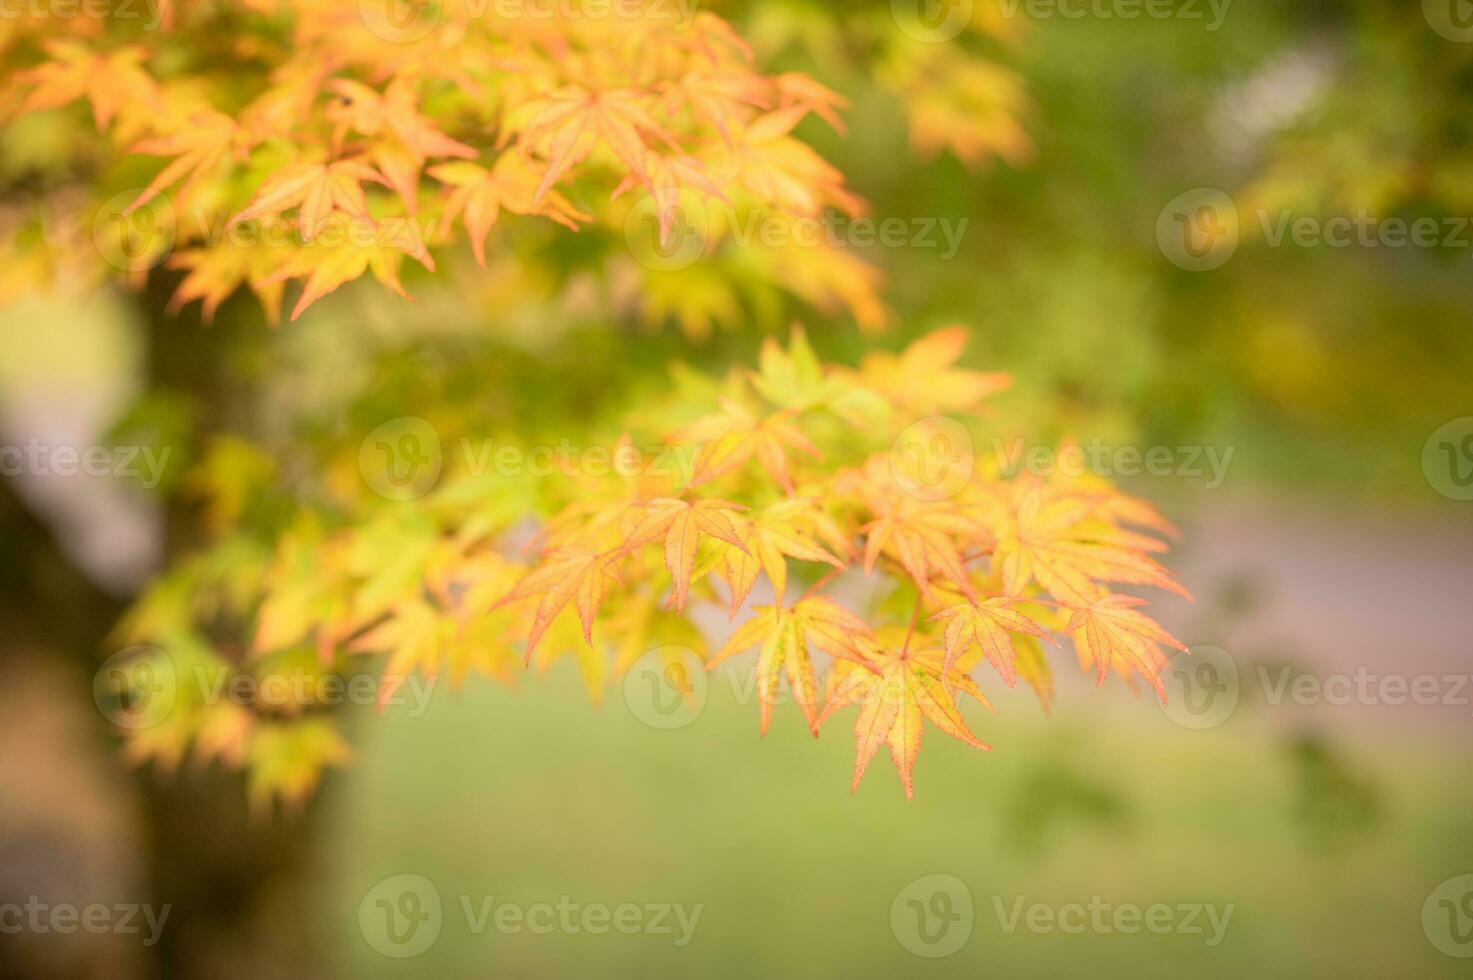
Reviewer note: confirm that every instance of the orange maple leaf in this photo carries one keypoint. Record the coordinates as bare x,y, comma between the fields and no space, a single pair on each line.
1110,632
784,636
480,194
923,378
110,82
568,124
734,435
328,266
682,523
319,190
197,149
781,171
909,688
925,537
990,624
1050,538
779,531
566,576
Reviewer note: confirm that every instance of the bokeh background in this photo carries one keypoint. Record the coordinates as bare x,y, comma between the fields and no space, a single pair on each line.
1337,542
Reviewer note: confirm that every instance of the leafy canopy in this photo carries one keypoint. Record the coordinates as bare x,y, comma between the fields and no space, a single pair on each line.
320,141
836,514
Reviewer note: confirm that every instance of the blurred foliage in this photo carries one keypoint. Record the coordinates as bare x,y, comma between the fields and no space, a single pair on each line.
1335,803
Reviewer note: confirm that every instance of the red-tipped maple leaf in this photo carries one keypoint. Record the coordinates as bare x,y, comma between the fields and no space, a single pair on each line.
480,194
784,636
777,532
682,523
908,688
318,190
569,123
1052,539
563,578
990,624
731,437
1110,632
197,150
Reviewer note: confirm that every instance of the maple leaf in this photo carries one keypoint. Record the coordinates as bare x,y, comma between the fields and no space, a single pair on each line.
1033,667
791,378
904,689
216,272
395,111
562,578
734,435
1048,538
287,761
783,637
682,523
568,124
667,177
780,530
197,149
707,35
110,82
327,266
963,103
1110,632
719,97
922,379
480,194
798,89
404,137
786,174
319,190
829,276
925,537
990,625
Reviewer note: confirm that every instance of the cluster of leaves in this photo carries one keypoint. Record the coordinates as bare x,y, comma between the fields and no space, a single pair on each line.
829,510
947,72
318,141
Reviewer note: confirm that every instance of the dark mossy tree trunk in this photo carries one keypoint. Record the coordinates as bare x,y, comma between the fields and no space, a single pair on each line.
239,883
